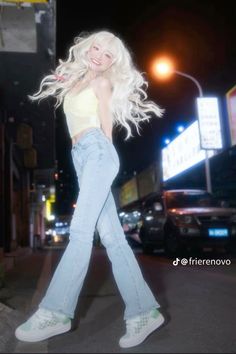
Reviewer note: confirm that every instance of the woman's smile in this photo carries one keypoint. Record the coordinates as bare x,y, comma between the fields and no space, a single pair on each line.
95,61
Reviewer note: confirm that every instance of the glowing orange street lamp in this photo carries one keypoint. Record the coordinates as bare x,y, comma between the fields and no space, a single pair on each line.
162,68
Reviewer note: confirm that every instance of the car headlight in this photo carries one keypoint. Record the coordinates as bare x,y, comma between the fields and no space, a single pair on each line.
56,238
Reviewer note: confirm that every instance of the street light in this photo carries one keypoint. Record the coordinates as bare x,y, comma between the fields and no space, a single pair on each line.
163,68
167,141
180,129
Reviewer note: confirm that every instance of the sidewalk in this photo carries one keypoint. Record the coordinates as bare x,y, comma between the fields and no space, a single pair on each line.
25,286
11,259
10,317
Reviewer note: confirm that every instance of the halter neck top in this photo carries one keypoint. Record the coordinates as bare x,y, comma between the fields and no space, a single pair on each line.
81,111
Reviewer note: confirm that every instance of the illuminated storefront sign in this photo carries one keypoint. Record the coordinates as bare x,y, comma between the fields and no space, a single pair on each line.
128,192
209,123
183,152
231,107
148,180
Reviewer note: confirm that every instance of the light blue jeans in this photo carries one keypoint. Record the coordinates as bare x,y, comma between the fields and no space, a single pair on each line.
97,163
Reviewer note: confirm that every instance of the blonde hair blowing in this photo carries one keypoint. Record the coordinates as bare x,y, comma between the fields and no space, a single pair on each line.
128,101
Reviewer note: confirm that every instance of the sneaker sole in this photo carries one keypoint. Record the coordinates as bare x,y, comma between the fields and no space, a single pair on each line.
156,324
23,337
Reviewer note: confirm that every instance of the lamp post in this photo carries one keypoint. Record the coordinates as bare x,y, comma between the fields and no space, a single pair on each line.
163,68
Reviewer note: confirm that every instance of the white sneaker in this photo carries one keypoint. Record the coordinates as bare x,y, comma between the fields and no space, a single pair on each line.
139,327
41,325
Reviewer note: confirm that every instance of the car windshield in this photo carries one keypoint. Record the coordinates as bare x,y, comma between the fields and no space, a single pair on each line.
130,218
189,200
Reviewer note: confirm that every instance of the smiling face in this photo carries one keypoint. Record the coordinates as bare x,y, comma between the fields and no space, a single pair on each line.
100,56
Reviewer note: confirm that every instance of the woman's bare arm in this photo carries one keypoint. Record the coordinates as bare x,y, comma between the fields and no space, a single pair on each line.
103,92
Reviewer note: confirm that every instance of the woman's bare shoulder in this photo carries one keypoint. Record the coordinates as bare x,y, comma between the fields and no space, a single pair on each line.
101,83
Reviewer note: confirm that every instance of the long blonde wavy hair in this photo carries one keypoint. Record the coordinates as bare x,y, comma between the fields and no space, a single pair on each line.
129,99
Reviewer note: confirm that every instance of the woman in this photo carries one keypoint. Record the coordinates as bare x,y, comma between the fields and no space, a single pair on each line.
99,87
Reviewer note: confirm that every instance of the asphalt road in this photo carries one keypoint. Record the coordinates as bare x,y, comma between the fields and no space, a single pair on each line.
198,302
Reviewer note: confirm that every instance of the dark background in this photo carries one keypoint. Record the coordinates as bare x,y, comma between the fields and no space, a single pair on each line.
198,35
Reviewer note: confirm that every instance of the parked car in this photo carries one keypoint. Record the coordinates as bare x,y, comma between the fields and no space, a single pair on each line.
57,234
187,218
131,222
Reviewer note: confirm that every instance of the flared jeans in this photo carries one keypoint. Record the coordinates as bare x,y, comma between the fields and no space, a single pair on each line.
96,164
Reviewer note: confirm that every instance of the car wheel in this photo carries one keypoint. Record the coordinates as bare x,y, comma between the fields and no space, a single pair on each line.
172,245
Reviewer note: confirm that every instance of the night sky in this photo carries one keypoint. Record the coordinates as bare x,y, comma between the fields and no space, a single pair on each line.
199,36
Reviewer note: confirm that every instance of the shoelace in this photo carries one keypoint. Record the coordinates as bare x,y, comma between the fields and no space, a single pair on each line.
41,320
135,325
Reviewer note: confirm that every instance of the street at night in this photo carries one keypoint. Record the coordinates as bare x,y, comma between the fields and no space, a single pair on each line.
198,303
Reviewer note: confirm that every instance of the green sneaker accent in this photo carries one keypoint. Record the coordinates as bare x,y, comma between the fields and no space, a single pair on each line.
155,313
66,320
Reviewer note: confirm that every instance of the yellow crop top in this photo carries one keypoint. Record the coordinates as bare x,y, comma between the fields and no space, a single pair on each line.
81,111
